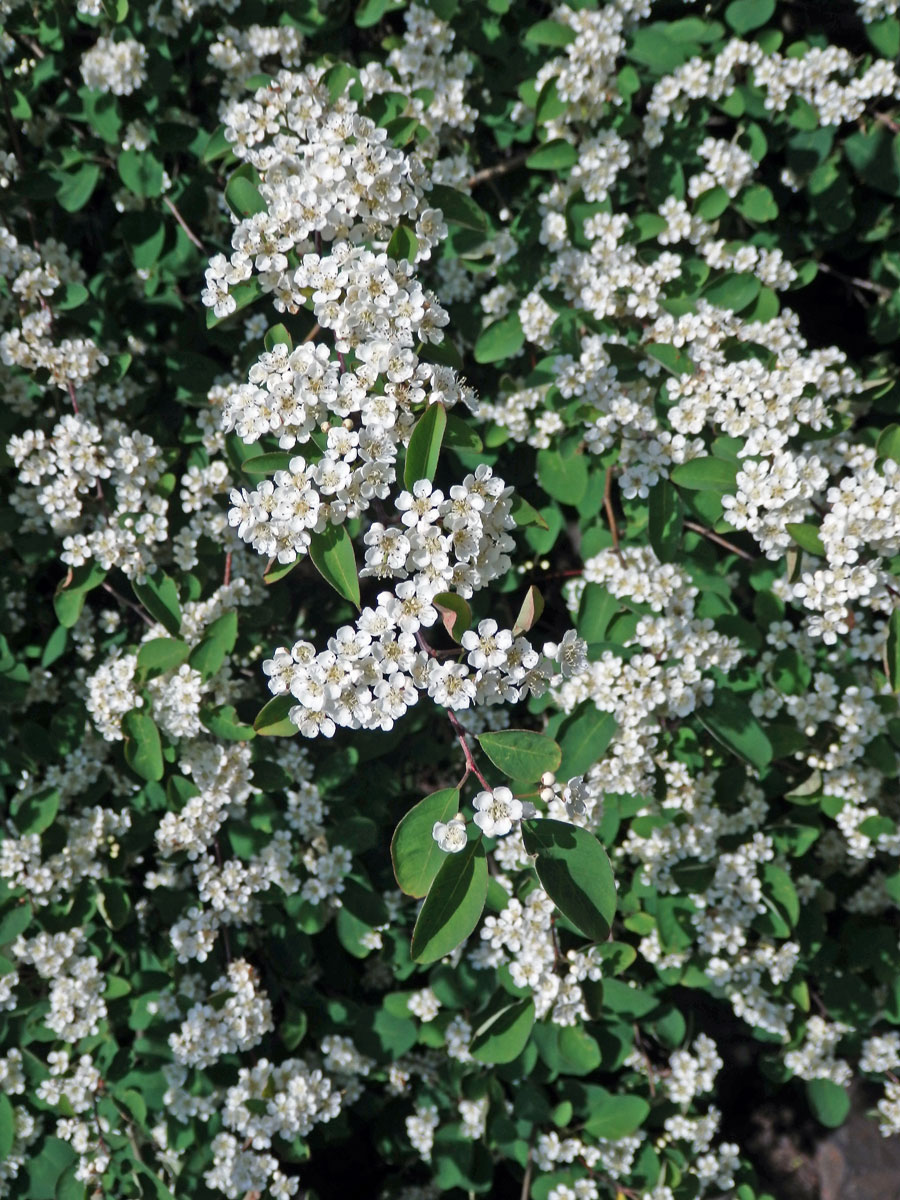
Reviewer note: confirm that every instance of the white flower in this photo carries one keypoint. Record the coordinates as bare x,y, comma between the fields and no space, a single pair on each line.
496,811
451,835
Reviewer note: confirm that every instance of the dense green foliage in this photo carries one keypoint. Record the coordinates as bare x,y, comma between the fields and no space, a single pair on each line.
450,651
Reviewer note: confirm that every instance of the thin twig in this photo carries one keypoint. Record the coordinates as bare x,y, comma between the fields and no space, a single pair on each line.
500,168
889,122
471,765
715,537
611,516
882,292
192,237
317,328
526,1182
128,604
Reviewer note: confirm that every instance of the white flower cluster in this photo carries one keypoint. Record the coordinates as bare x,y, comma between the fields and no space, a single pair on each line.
811,77
119,67
523,935
235,1017
371,672
815,1058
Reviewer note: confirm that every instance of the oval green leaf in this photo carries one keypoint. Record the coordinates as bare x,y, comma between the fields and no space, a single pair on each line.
424,448
501,1037
272,719
521,753
453,906
574,872
332,554
159,596
143,749
584,738
415,854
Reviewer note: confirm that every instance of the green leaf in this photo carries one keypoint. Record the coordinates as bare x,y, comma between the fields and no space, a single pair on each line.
665,517
502,1034
892,652
453,905
757,204
267,464
68,600
614,1117
885,36
550,104
278,335
272,719
521,753
733,291
574,872
455,614
415,854
403,243
159,596
707,474
7,1126
217,146
36,812
370,12
563,478
583,738
731,722
524,513
501,340
888,444
77,188
332,554
13,922
217,643
114,902
458,208
460,436
161,654
424,448
143,749
556,155
744,15
55,646
806,536
549,33
242,195
141,172
223,722
829,1102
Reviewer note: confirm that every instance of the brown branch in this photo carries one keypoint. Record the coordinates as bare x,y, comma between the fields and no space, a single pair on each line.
882,292
471,765
317,328
611,516
500,168
715,537
526,1182
128,604
192,237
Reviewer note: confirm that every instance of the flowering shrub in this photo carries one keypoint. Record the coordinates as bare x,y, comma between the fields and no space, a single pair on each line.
449,666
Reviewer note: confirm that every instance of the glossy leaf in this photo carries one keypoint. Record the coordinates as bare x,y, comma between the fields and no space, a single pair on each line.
143,749
161,654
332,554
272,720
575,873
501,340
707,474
455,614
453,906
529,612
424,448
159,596
583,738
502,1034
458,208
415,854
521,753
